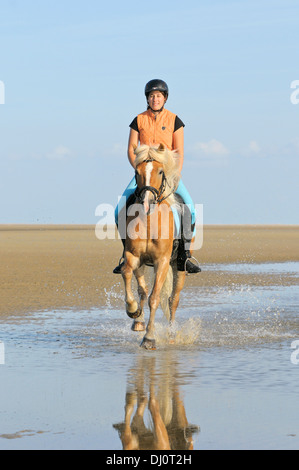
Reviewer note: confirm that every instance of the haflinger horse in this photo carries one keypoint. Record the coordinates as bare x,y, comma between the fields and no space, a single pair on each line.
149,240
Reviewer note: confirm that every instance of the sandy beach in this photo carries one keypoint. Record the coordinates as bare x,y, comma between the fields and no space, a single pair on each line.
71,367
58,267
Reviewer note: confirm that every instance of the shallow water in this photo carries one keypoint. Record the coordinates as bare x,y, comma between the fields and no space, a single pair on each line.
229,382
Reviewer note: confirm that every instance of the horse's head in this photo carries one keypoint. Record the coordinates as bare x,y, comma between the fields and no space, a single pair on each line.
150,179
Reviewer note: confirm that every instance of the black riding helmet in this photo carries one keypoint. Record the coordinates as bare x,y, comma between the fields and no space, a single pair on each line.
156,85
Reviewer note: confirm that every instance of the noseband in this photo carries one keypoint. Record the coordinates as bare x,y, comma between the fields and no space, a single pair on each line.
157,193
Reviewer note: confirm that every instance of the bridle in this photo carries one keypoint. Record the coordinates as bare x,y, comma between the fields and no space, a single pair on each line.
157,193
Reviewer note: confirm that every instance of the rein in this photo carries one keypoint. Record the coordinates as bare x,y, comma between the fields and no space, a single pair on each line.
156,192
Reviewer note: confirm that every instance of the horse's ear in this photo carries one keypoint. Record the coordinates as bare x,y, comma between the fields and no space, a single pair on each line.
161,148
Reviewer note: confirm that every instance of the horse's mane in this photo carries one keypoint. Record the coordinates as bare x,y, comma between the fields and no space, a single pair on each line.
169,159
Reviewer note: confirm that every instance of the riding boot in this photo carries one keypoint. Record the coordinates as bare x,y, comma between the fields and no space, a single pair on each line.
184,262
117,270
184,256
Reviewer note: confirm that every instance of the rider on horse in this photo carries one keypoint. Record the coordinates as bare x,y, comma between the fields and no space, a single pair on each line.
157,126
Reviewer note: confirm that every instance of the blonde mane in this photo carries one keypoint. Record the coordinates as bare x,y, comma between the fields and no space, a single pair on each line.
169,160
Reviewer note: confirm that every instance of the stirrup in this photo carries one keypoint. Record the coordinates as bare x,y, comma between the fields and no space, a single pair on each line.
117,270
185,265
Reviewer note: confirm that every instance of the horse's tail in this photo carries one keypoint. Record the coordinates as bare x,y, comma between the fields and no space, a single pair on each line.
166,292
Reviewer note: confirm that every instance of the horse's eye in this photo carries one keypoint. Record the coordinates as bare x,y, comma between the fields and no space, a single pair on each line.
161,172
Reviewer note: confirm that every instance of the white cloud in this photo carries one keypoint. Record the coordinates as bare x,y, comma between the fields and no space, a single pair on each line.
251,149
254,147
213,147
211,153
60,153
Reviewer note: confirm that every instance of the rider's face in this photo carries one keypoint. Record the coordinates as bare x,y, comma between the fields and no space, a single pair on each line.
156,100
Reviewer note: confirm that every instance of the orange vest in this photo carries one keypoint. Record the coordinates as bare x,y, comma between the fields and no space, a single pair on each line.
155,130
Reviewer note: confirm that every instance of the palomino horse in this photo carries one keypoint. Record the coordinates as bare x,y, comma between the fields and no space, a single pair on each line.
149,239
154,384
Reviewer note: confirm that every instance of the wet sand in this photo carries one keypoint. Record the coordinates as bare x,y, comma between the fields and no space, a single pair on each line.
66,267
71,367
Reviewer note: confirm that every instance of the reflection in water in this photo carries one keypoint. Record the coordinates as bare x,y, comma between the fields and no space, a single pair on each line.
153,388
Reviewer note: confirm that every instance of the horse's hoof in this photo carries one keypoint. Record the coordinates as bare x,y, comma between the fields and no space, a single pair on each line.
134,314
149,344
171,337
138,326
171,334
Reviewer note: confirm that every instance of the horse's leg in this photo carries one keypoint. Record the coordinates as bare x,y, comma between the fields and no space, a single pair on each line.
128,438
139,324
130,265
178,284
160,432
161,269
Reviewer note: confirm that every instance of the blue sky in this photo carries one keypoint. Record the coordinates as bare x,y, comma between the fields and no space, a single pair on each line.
74,74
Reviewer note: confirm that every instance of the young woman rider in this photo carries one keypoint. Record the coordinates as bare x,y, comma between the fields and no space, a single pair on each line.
155,126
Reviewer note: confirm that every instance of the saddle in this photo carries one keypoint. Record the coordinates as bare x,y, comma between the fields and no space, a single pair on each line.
177,209
180,256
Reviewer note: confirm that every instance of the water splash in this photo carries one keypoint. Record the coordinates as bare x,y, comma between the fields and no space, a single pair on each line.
182,332
114,296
